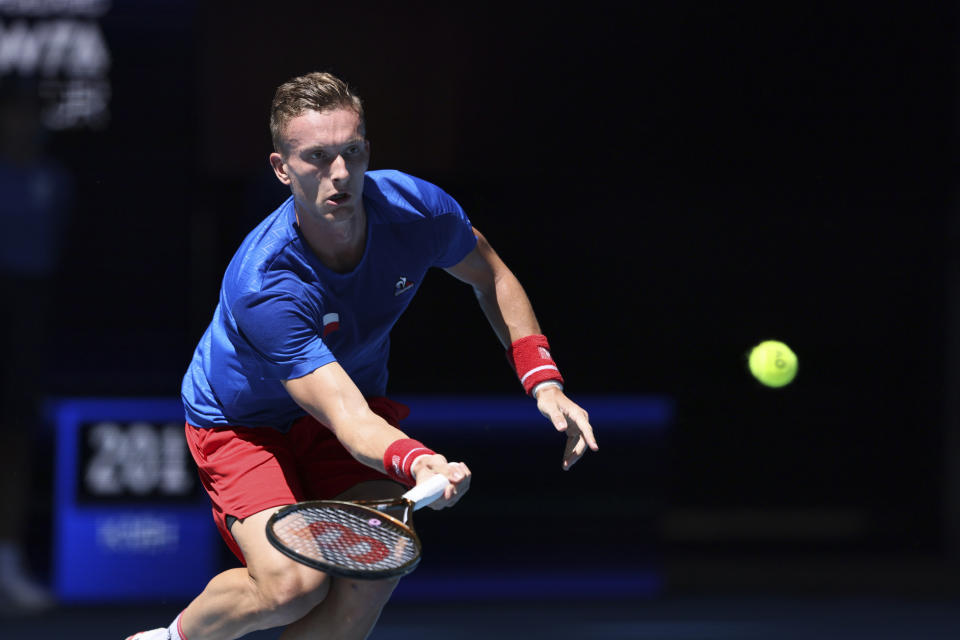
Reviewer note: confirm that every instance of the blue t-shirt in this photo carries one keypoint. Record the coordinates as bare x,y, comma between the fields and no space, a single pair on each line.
282,314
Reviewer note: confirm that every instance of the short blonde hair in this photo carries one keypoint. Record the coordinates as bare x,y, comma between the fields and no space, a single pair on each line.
317,91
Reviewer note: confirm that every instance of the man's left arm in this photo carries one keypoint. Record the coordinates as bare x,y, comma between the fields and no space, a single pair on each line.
509,312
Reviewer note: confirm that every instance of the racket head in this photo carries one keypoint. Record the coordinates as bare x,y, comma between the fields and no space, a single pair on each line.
345,539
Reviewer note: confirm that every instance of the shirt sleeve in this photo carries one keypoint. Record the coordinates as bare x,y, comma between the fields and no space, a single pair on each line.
282,330
453,232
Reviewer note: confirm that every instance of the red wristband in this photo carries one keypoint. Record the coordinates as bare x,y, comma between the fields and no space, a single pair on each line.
530,358
399,457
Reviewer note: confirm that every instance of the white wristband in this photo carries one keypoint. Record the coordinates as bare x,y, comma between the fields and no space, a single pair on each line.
545,383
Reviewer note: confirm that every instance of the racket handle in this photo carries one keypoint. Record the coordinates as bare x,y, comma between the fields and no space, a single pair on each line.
423,494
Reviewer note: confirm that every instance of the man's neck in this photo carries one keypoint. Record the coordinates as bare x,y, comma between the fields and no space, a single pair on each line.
338,245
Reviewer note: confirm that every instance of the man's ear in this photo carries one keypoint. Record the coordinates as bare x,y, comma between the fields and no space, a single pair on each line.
279,168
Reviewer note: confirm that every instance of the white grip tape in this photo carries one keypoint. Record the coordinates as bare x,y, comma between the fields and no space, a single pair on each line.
425,493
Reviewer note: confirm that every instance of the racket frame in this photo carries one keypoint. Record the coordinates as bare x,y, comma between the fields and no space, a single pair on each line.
374,508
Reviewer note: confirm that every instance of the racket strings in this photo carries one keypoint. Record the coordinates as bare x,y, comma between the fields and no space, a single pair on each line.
353,539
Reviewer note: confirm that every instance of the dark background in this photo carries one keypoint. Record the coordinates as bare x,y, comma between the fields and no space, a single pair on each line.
672,182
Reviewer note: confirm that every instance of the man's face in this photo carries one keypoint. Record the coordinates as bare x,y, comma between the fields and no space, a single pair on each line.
324,161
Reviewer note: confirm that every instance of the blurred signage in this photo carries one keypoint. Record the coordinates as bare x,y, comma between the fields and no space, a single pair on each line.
132,461
128,503
60,45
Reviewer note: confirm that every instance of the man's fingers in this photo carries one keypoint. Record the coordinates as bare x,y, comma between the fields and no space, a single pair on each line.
559,420
578,439
458,471
571,458
582,420
459,475
587,432
580,447
573,451
571,419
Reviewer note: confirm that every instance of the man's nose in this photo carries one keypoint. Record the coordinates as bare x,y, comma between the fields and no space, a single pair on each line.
338,168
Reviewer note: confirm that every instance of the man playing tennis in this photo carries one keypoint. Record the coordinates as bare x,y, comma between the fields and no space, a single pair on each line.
284,398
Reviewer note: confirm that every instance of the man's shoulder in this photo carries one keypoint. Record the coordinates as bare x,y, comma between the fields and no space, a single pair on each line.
386,179
268,249
398,195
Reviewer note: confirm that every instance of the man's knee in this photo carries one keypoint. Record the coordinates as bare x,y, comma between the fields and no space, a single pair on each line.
288,595
284,589
367,594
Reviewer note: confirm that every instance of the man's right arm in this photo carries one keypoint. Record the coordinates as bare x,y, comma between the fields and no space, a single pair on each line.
330,396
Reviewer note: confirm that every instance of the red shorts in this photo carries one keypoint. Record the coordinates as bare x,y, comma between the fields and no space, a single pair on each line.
248,469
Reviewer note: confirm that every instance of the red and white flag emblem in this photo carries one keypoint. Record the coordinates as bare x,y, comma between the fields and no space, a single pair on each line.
331,322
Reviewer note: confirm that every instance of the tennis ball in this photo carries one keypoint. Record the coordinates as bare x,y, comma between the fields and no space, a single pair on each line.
773,363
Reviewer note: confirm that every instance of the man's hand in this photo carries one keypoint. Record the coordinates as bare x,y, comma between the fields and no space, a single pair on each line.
456,472
568,417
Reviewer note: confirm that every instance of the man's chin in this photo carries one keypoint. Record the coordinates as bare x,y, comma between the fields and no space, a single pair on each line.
338,213
340,216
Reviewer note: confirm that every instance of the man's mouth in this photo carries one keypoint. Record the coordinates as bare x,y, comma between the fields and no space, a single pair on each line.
338,198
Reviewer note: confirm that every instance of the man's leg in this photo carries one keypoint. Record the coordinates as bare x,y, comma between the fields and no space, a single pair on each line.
350,611
271,591
352,607
274,591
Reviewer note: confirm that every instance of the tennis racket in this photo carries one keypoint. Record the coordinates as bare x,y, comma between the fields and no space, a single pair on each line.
356,539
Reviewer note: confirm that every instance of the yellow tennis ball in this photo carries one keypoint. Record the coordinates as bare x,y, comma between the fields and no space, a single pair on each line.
773,363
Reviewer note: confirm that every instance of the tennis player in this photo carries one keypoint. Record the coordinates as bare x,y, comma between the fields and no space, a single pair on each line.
284,398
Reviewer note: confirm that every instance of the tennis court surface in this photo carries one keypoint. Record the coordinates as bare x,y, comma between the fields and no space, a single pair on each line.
900,601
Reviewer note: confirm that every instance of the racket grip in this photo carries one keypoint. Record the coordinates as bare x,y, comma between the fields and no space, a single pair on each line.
423,494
